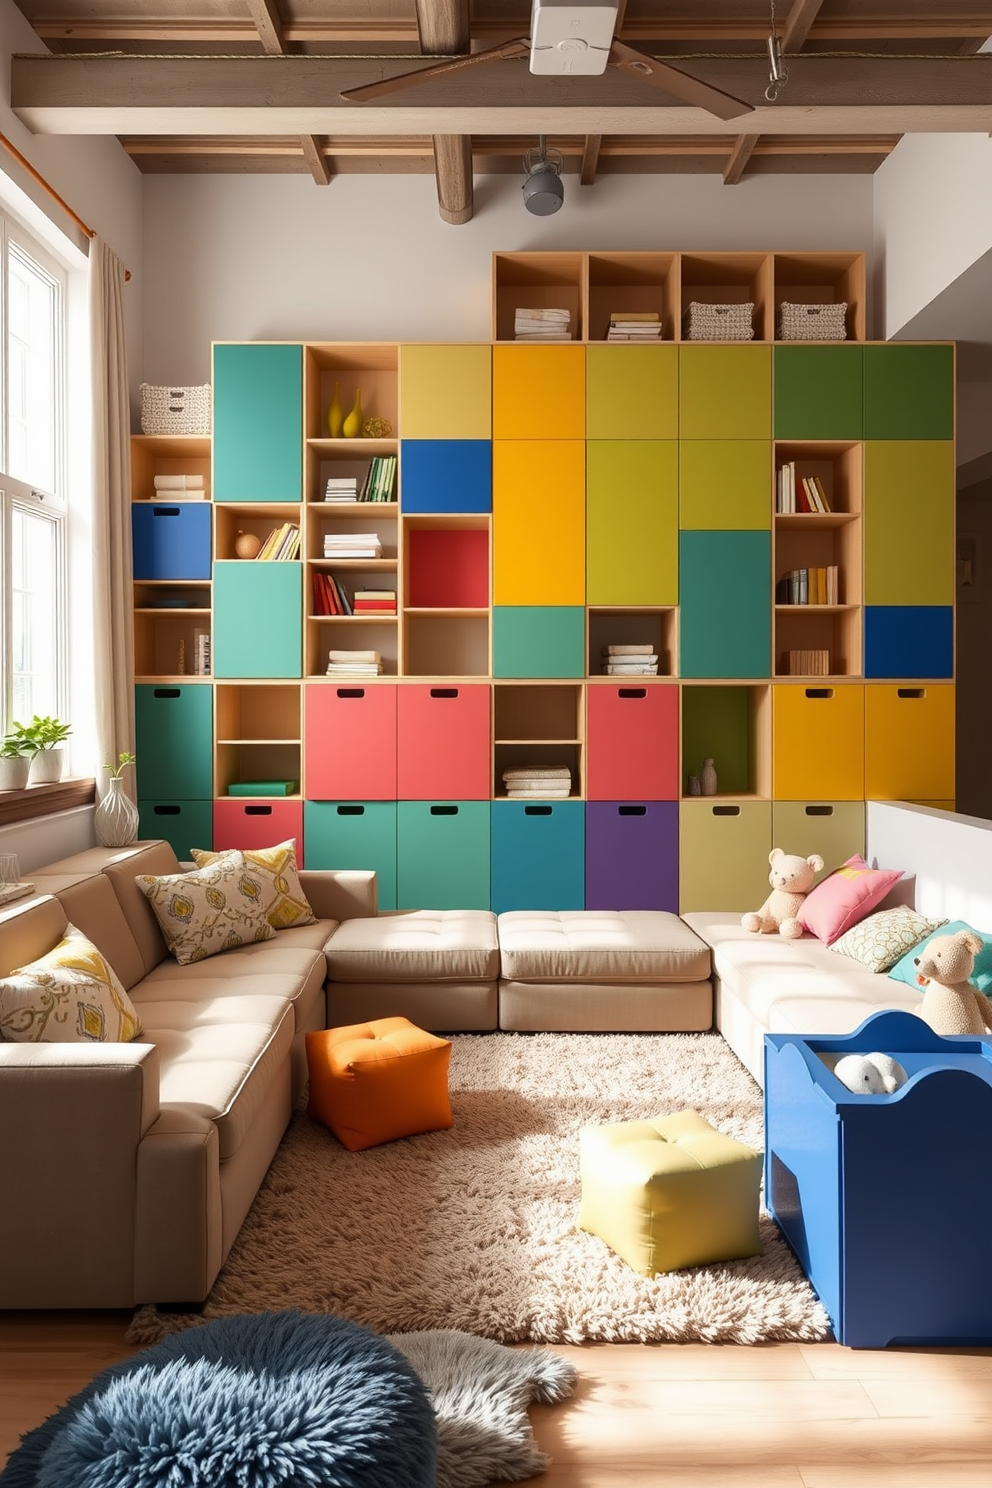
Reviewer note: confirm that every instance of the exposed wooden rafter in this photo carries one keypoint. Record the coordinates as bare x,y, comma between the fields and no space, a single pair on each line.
798,23
268,24
739,156
316,161
443,26
590,158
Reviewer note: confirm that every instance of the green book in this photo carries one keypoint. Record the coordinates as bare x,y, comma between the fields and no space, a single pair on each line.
262,788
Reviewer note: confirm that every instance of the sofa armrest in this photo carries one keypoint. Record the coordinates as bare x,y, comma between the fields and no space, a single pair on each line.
73,1117
341,894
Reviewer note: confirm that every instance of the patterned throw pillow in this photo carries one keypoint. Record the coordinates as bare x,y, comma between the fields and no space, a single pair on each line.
211,910
279,883
879,941
72,995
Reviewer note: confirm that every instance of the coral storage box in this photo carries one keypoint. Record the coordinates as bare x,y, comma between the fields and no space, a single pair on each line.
886,1199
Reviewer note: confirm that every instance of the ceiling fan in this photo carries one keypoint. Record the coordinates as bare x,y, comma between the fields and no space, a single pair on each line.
573,38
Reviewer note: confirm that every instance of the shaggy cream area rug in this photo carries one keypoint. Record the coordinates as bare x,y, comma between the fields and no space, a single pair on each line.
476,1228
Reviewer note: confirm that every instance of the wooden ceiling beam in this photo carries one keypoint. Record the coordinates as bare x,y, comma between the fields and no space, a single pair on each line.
799,23
316,162
590,158
443,26
739,156
268,24
420,145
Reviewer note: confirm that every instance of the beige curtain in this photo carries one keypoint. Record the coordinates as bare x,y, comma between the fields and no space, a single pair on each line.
112,633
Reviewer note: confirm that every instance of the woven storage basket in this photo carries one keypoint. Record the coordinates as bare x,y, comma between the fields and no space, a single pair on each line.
175,410
705,322
812,322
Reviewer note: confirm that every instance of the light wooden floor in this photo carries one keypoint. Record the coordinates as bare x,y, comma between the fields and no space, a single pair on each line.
778,1416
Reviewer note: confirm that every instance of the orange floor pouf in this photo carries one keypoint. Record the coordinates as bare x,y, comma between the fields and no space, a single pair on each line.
374,1082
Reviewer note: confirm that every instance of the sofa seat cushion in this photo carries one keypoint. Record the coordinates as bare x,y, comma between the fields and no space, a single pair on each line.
300,985
219,1056
616,947
419,945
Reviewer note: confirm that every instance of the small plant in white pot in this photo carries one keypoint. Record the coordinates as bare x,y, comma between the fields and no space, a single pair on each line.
115,820
15,762
45,737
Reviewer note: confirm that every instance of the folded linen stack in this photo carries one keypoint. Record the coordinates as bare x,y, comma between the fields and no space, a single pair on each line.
171,487
352,545
354,664
341,488
529,781
542,325
630,661
705,322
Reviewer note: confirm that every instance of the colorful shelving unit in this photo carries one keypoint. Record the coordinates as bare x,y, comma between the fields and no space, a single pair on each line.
552,501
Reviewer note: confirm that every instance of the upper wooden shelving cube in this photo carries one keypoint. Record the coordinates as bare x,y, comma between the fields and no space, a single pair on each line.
823,279
538,281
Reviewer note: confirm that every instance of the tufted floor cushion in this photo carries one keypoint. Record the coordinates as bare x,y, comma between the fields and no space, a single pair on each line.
374,1082
600,946
418,945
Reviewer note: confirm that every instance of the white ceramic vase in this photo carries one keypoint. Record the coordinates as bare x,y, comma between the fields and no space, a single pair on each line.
46,766
115,820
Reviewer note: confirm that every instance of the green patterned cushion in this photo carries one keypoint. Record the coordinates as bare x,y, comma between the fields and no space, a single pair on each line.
275,867
879,941
214,909
72,995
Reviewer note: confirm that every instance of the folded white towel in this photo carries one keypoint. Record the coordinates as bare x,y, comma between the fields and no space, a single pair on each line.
539,772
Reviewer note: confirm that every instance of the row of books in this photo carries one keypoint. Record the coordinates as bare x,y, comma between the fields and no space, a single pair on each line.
378,484
634,325
354,664
352,545
548,324
281,544
329,596
809,586
807,494
813,663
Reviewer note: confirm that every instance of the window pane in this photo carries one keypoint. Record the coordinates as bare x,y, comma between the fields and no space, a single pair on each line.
32,371
34,585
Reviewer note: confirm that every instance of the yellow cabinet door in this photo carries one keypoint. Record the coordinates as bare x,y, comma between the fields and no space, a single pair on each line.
539,499
723,854
909,742
632,392
539,392
446,392
632,526
909,522
818,742
725,392
725,484
834,829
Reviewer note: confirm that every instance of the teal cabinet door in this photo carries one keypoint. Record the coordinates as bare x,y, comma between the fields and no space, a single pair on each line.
174,728
539,641
818,392
258,625
725,604
258,423
354,834
184,825
442,855
909,392
538,855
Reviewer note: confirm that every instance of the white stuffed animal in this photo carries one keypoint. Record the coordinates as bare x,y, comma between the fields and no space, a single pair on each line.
791,879
870,1074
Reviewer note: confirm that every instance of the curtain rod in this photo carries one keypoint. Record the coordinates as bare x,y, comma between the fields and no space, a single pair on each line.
37,176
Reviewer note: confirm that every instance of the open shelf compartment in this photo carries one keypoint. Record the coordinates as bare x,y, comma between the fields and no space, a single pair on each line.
632,281
537,281
730,723
370,367
731,279
632,626
823,279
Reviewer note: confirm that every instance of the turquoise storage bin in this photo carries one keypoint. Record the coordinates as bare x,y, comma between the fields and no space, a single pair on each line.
539,641
174,741
258,423
538,855
183,824
442,855
258,629
354,834
725,604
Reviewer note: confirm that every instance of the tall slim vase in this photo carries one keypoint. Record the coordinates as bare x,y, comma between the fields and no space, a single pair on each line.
115,820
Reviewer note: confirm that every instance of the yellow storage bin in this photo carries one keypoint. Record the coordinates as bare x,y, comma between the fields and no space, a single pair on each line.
834,829
818,741
446,392
909,742
539,499
723,854
539,392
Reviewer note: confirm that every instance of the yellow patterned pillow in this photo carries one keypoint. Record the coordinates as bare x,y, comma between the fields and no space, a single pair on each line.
275,868
884,938
211,910
72,995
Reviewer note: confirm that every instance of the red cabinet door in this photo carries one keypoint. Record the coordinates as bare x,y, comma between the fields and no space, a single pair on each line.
443,742
254,824
349,742
632,742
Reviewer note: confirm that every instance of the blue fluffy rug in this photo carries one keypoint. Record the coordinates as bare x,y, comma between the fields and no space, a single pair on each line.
279,1400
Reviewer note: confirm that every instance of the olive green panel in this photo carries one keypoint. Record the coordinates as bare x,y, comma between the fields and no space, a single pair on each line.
632,539
834,829
909,392
723,854
725,484
716,724
725,392
819,392
909,522
632,392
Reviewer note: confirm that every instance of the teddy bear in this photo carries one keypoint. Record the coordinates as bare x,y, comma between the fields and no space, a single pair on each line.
950,1003
791,879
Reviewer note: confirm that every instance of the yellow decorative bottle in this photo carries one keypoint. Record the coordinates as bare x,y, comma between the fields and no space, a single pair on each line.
335,415
353,423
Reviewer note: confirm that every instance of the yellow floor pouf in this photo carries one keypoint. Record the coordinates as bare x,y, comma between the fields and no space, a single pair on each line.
374,1082
670,1192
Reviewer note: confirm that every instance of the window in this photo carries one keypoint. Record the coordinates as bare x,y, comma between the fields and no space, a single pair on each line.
32,477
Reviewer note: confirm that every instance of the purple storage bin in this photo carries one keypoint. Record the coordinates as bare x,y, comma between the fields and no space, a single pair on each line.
632,855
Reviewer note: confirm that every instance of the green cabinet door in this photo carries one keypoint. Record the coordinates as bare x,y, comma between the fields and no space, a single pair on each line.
909,392
725,604
354,834
632,392
725,484
539,641
632,554
725,392
442,855
258,423
909,522
818,392
723,855
174,726
258,622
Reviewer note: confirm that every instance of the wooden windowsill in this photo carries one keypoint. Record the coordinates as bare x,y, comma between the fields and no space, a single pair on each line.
42,800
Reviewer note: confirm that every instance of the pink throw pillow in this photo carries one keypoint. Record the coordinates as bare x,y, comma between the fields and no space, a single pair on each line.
845,897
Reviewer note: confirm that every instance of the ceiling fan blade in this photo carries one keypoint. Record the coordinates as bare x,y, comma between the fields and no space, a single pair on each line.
508,50
682,84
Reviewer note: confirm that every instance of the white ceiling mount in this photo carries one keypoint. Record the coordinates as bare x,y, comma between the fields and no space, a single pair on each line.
571,38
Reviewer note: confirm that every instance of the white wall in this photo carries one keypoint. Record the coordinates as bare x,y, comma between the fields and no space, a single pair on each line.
947,854
367,258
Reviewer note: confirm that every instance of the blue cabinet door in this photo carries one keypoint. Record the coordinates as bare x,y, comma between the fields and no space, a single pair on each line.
258,423
171,540
909,641
446,475
538,855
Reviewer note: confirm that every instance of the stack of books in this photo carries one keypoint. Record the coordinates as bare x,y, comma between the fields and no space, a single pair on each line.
807,663
281,544
809,586
634,325
805,494
352,545
379,479
542,325
527,781
341,488
329,597
354,664
180,487
374,601
630,661
201,653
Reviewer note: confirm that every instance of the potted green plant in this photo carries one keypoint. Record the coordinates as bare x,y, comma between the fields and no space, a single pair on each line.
15,762
115,820
44,737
